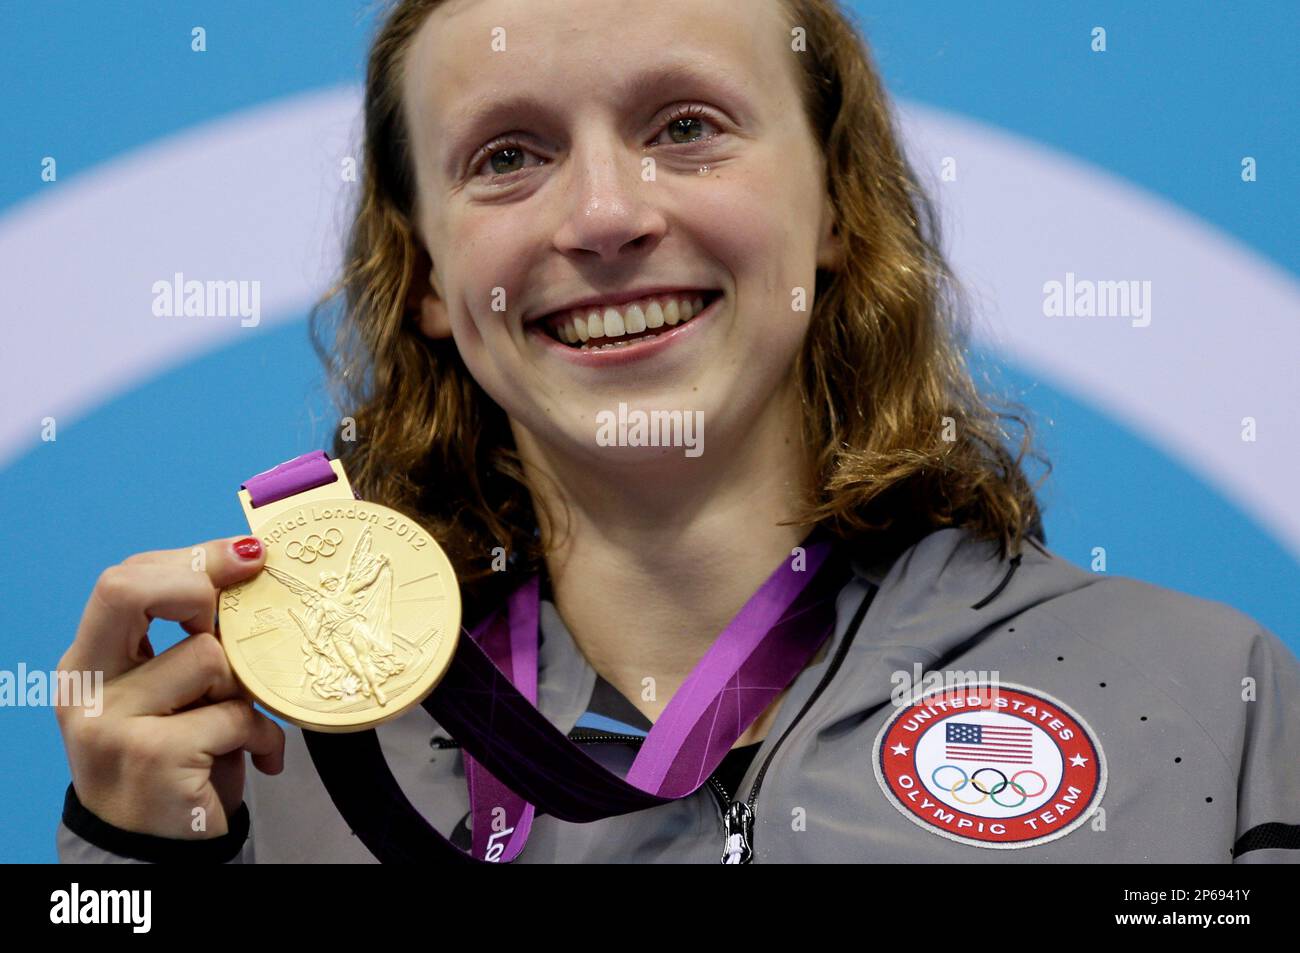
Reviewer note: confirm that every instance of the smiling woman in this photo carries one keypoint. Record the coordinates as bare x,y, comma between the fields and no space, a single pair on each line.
716,225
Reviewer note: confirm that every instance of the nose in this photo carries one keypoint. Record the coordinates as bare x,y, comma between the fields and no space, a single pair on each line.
610,205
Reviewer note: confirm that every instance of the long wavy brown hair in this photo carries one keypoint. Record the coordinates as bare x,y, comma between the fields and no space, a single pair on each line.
904,442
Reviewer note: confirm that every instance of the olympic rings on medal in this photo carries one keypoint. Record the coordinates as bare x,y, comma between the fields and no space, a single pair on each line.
987,793
315,545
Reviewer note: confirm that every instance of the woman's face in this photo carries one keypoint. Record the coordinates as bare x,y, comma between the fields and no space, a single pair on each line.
570,150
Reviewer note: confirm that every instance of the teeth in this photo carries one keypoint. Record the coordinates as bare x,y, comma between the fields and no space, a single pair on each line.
579,327
614,327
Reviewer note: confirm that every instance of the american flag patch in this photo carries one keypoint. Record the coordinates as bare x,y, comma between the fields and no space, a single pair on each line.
966,741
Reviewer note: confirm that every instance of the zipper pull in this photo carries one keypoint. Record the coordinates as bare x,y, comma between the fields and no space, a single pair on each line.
739,826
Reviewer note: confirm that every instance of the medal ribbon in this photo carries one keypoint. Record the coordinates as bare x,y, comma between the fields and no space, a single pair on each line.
755,658
517,762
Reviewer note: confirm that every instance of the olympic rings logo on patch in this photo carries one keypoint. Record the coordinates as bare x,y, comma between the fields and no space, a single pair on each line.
990,794
990,765
314,546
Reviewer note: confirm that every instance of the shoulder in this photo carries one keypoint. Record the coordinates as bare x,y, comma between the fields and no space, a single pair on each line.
1148,644
1162,649
1149,625
1165,630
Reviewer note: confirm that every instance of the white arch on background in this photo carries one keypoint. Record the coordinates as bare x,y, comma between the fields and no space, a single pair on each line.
258,195
1224,333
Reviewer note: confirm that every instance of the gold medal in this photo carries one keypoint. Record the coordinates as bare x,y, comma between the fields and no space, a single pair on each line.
354,618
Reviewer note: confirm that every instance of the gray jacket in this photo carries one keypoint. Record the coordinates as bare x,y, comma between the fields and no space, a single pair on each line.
1182,715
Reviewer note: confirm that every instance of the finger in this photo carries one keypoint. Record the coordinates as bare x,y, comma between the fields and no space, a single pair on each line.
271,762
232,725
180,585
192,670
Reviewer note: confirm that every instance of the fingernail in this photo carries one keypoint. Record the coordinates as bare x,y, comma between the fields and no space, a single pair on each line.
250,547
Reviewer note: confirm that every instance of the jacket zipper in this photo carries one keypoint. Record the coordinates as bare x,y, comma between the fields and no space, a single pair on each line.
737,826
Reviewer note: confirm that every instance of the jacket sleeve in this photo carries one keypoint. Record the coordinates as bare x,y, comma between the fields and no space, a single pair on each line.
85,838
1268,787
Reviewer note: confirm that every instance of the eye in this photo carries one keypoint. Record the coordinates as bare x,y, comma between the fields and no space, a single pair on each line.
510,149
684,121
505,155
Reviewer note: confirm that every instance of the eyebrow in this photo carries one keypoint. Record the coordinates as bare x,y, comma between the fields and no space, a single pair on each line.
482,113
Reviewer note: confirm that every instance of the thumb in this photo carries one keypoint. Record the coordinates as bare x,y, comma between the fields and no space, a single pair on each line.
232,560
229,562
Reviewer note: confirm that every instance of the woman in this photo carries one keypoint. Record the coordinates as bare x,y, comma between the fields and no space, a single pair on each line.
717,222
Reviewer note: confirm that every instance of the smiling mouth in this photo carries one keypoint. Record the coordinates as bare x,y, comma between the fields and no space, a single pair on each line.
607,328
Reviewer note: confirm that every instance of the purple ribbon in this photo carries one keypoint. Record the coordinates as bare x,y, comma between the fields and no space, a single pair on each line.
297,475
501,813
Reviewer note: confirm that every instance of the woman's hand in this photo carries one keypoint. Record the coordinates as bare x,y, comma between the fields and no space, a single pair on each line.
165,753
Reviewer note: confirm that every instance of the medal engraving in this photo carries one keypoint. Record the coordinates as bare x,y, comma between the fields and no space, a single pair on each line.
352,621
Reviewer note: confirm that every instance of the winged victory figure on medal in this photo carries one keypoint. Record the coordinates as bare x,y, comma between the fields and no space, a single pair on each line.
347,634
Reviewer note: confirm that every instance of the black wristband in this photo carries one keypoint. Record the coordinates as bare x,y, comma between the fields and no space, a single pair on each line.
150,848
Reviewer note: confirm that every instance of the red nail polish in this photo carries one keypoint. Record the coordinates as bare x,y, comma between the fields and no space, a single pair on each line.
250,547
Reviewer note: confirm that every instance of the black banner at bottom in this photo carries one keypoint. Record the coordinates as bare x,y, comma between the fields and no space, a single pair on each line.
332,904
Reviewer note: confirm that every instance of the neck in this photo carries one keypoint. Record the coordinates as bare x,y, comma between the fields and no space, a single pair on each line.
659,556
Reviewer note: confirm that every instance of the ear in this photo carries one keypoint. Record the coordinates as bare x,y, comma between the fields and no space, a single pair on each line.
423,301
830,247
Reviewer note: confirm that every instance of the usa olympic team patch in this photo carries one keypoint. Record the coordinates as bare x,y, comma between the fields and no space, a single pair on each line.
991,765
